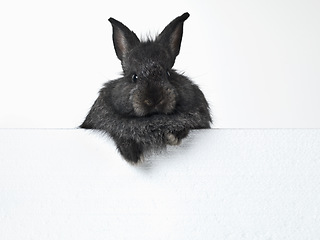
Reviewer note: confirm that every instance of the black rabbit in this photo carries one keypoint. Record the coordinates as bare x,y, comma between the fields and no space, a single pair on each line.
151,105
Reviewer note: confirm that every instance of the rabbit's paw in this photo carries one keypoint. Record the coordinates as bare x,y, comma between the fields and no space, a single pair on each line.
131,151
172,139
176,137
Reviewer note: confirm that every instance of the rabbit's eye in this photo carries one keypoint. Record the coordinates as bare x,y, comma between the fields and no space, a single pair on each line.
134,78
168,74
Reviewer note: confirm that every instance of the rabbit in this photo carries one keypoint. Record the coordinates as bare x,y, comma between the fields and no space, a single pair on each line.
152,105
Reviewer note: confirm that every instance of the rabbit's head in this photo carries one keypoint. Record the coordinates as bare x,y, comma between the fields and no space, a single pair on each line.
146,87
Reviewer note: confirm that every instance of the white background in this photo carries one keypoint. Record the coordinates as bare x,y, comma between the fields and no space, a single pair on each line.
258,62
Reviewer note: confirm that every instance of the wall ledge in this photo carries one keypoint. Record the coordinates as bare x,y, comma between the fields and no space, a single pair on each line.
218,184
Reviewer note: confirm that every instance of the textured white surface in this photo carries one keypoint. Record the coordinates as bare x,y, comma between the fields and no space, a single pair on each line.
219,184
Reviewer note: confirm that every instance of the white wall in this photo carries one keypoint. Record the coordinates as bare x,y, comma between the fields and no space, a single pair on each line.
258,62
72,184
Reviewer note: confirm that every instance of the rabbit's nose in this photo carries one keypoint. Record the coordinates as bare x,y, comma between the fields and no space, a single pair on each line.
148,102
153,102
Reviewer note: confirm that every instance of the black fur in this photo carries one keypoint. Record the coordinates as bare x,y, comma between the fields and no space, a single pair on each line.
151,105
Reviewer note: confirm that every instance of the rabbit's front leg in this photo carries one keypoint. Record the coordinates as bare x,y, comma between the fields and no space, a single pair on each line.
130,150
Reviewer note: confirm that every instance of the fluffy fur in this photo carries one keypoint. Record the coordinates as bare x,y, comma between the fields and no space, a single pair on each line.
151,105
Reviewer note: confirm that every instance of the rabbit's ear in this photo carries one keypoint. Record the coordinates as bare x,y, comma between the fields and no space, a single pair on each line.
123,38
171,36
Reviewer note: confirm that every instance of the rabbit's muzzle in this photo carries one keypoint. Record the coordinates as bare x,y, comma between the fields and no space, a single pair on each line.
153,100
